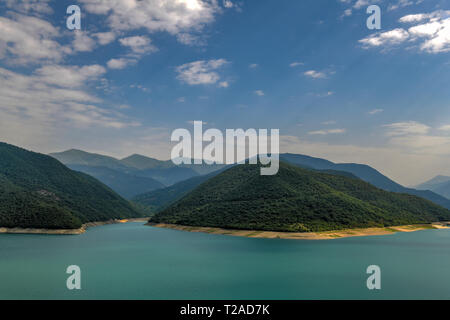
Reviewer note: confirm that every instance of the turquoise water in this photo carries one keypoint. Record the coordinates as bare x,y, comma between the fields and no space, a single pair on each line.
132,261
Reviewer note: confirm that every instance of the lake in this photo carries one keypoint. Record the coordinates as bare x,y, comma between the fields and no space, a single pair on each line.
133,261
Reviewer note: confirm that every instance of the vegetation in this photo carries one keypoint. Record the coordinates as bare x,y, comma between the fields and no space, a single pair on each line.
295,200
37,191
161,198
365,173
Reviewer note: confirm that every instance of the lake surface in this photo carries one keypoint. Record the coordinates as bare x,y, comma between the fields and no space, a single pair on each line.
132,261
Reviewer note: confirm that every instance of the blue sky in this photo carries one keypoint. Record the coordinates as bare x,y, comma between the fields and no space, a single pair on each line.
139,69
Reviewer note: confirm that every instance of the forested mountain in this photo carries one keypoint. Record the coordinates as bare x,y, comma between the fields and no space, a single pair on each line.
37,191
295,199
365,173
161,198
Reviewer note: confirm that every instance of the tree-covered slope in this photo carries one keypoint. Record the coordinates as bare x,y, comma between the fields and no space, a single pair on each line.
365,173
161,198
295,199
37,191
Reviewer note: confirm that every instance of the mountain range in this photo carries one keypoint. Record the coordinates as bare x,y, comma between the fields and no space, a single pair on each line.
37,191
159,199
366,173
295,200
439,185
132,175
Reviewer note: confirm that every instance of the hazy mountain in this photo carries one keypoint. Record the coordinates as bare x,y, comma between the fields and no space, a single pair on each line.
165,172
126,185
142,162
295,199
439,185
78,157
37,191
365,173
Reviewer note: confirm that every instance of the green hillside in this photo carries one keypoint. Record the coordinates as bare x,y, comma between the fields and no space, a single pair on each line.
296,200
37,191
158,199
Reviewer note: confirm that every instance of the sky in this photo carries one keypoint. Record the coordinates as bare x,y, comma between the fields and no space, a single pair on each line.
138,69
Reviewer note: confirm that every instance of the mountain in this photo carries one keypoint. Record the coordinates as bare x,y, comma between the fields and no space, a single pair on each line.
161,198
295,200
365,173
168,176
142,163
439,185
165,172
37,191
126,185
78,157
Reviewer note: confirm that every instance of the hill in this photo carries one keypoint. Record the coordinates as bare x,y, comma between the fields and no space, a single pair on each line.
365,173
295,200
126,185
37,191
161,198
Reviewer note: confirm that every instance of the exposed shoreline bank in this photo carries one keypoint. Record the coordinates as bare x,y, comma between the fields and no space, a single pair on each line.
79,231
324,235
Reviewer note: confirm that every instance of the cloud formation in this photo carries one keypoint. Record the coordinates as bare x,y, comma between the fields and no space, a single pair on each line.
430,31
200,72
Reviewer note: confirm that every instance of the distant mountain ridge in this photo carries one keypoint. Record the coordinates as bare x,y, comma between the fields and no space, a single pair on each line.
439,184
132,175
365,173
37,191
295,200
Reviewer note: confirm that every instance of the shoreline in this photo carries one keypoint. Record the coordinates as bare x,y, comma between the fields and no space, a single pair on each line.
78,231
322,235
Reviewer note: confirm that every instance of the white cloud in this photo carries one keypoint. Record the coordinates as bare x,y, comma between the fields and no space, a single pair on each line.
400,4
375,111
259,93
224,84
53,98
120,63
315,74
29,40
105,38
172,16
69,76
445,128
431,32
29,6
391,37
296,64
138,44
253,66
406,128
327,123
200,72
228,4
326,132
83,42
